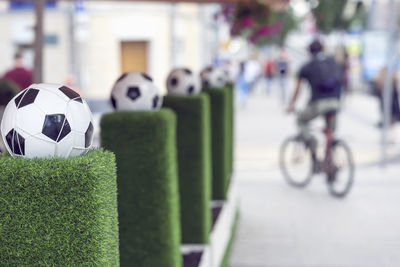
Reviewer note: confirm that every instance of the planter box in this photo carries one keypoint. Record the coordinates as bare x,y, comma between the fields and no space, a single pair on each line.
224,226
59,212
194,165
196,255
219,98
223,229
230,87
148,199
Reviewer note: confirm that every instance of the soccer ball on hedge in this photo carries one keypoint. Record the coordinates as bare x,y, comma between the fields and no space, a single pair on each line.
135,91
229,73
213,77
46,120
182,81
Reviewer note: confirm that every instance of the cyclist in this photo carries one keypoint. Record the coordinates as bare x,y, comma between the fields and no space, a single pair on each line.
324,76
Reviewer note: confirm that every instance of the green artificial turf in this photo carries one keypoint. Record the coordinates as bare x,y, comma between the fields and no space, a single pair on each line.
231,109
194,161
59,212
219,99
148,201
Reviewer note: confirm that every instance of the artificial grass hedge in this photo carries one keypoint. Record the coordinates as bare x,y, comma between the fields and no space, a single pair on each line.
194,164
148,201
59,212
219,100
231,121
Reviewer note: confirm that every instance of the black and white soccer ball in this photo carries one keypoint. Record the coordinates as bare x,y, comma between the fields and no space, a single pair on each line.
213,77
135,91
47,120
229,73
182,81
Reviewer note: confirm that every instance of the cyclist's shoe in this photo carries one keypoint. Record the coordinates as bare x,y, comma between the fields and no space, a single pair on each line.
316,167
331,178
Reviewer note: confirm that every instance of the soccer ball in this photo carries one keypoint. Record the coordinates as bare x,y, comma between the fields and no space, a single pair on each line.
135,91
229,73
182,81
213,77
46,120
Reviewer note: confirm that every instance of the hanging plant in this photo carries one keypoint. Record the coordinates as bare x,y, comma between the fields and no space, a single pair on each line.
282,23
258,22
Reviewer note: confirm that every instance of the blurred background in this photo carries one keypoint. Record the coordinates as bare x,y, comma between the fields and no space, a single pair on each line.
88,44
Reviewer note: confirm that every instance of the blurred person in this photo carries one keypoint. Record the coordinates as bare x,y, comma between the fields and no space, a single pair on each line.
242,84
395,107
269,73
342,59
252,73
324,77
20,75
282,67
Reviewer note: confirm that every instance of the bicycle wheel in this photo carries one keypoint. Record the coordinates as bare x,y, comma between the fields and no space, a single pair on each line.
296,161
340,178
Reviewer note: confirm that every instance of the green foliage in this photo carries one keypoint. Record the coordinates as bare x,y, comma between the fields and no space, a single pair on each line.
148,201
194,161
359,19
59,212
289,23
329,15
219,141
8,90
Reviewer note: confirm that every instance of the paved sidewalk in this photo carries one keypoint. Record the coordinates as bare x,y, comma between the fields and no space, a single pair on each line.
281,226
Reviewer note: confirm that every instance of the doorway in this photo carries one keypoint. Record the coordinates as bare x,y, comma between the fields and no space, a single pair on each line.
134,56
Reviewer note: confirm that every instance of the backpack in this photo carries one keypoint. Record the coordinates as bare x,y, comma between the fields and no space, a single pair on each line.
327,78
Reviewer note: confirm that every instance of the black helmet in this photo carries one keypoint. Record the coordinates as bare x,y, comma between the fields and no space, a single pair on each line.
315,47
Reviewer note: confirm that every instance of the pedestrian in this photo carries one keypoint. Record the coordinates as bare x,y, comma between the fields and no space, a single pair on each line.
19,74
269,72
282,66
342,59
395,106
242,84
252,73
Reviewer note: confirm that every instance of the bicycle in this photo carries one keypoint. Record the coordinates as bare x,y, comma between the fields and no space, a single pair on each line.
337,163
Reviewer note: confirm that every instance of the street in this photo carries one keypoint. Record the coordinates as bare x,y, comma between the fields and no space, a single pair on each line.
281,226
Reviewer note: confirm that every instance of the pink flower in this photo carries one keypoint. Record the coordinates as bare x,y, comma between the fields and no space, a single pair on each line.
265,31
276,28
253,39
269,29
248,22
235,29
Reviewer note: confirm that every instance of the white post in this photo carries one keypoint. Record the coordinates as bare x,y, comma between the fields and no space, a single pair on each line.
73,56
203,35
173,25
38,44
